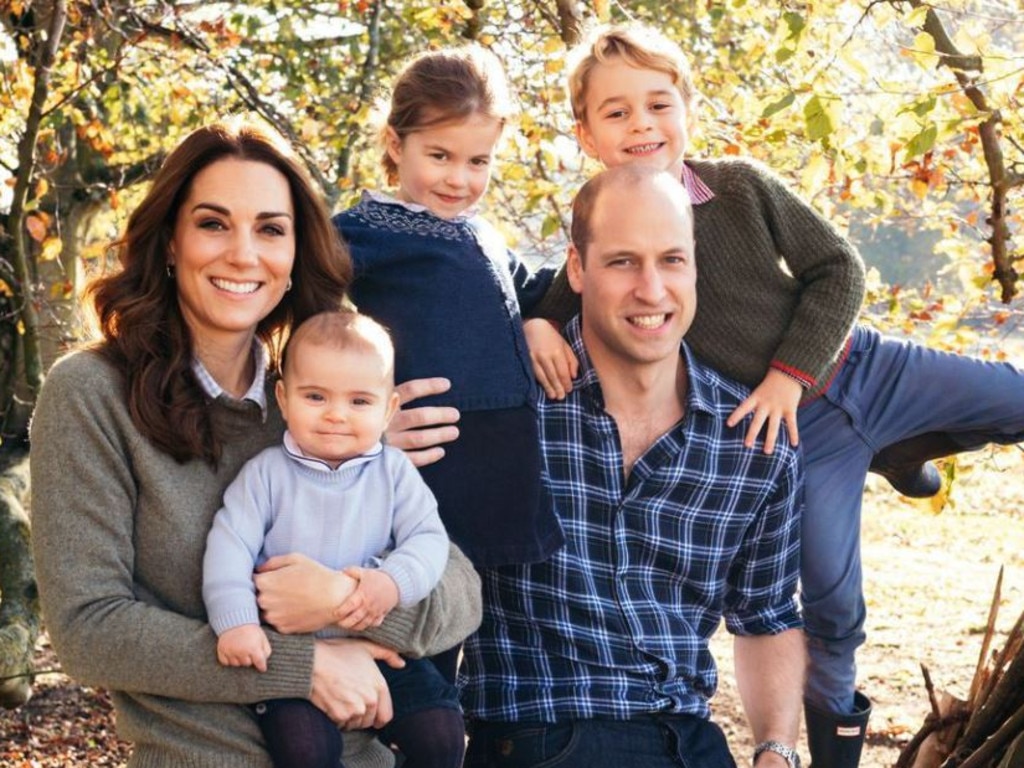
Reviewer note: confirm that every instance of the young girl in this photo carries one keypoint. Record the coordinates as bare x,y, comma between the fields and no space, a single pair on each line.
442,280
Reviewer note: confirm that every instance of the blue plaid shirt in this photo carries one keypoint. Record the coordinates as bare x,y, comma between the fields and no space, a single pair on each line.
616,623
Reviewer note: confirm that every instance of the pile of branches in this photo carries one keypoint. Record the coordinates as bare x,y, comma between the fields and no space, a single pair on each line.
986,730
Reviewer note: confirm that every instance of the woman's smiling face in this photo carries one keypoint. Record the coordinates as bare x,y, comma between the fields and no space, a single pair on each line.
233,248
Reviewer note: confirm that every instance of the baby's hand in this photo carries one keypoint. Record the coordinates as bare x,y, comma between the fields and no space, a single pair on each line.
554,363
772,403
375,595
244,646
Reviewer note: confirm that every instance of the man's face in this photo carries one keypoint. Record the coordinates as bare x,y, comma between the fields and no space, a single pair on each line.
638,276
634,115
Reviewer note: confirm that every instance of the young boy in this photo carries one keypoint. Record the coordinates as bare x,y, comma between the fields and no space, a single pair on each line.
333,492
779,292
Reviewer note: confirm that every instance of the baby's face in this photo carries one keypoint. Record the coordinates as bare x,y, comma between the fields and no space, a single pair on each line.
337,402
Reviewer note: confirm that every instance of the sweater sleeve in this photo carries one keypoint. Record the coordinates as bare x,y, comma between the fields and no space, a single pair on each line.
232,550
421,544
559,303
828,268
106,627
446,617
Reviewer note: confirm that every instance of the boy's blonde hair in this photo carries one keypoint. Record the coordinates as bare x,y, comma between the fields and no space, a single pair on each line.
640,47
340,330
438,87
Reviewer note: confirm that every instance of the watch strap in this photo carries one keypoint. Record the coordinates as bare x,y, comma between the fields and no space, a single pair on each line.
791,756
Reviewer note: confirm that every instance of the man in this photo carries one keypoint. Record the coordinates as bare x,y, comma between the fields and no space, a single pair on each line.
599,656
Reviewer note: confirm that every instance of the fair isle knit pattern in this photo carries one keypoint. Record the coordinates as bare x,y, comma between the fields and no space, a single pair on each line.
450,292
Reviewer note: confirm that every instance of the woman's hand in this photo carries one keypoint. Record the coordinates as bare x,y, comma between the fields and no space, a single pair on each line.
421,432
347,685
296,594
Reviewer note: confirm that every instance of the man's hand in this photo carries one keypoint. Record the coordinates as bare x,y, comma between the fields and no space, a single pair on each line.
772,403
375,595
421,432
244,646
554,363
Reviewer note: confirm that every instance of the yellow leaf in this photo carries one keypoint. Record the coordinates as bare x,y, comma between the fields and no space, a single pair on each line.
923,50
554,66
51,249
61,289
5,289
42,187
917,16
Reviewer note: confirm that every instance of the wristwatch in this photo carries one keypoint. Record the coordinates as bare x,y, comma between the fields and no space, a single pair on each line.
790,754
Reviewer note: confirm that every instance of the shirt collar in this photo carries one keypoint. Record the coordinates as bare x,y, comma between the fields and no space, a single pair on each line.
700,392
700,192
257,391
295,452
386,199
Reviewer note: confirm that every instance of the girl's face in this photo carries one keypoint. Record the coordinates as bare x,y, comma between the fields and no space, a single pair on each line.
446,167
233,249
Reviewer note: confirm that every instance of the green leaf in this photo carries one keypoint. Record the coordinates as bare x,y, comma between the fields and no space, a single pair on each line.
783,54
921,108
775,107
923,141
817,119
551,225
795,22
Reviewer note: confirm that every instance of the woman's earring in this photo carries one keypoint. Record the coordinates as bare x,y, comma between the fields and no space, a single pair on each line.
289,286
170,271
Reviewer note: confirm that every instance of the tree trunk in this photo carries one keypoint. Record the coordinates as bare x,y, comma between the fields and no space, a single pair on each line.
19,611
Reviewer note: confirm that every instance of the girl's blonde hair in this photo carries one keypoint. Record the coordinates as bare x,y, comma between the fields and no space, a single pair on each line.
439,87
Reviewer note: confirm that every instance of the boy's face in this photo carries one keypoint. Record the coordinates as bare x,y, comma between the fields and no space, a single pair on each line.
446,168
634,115
337,402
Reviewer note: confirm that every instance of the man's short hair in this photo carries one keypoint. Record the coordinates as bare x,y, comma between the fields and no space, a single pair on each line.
630,175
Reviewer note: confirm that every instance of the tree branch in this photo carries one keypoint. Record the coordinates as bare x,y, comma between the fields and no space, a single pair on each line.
239,82
369,77
46,55
966,69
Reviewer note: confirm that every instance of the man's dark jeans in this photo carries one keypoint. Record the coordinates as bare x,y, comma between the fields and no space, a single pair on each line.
661,741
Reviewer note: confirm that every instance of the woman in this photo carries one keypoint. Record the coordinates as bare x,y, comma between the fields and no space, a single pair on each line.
135,439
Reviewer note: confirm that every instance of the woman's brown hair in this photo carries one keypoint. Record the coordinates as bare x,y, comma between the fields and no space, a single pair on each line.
144,333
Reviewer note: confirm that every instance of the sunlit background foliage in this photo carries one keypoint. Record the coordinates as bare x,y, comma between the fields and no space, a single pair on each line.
875,111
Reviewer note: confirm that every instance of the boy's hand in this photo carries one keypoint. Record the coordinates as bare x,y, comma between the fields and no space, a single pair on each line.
244,646
773,402
375,595
554,363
